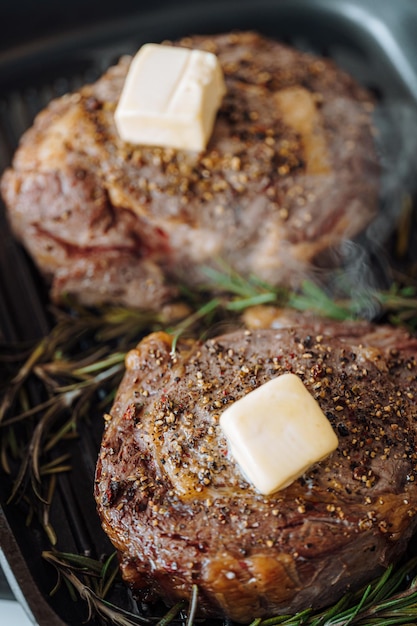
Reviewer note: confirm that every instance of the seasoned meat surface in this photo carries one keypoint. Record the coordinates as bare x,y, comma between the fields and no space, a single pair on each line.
180,512
289,172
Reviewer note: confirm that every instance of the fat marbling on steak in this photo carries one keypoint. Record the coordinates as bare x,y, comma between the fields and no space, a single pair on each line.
180,512
289,172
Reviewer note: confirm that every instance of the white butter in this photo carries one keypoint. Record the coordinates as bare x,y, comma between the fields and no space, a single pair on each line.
277,432
170,97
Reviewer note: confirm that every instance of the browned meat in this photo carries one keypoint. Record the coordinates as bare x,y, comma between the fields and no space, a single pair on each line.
290,170
178,509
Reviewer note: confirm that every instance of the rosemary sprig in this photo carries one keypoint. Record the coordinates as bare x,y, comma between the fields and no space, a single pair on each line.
82,356
246,292
80,363
77,568
74,568
398,304
388,600
314,299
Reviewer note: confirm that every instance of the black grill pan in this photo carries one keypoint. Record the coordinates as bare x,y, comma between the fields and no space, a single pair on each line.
373,39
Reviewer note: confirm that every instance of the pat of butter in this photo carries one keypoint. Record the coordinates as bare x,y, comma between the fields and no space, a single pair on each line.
170,97
277,432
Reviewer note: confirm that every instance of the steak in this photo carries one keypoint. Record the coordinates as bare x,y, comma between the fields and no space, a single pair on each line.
178,509
289,172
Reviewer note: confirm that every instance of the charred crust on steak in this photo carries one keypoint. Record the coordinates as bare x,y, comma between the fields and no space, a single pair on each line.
289,172
178,509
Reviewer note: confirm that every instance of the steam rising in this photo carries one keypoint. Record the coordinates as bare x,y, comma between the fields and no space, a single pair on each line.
366,263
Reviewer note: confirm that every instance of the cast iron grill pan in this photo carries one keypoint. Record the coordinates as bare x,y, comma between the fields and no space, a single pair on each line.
372,40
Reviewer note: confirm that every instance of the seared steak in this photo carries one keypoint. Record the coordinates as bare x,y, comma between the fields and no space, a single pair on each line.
290,171
179,510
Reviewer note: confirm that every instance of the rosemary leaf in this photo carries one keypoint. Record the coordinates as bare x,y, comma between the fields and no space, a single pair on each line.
313,298
37,489
59,469
202,312
50,533
67,431
108,577
256,622
20,378
244,303
47,467
101,366
71,591
299,618
35,446
171,614
228,281
348,617
192,609
392,580
57,586
29,412
19,480
334,611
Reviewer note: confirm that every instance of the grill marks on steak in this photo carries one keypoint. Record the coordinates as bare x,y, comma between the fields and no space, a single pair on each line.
289,171
178,509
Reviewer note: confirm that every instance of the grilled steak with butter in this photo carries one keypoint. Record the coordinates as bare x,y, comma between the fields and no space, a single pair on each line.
289,172
180,512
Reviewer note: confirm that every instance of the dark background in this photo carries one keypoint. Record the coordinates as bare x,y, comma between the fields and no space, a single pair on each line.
26,20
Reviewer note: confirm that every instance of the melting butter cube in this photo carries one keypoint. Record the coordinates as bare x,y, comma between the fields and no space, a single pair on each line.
170,98
277,432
